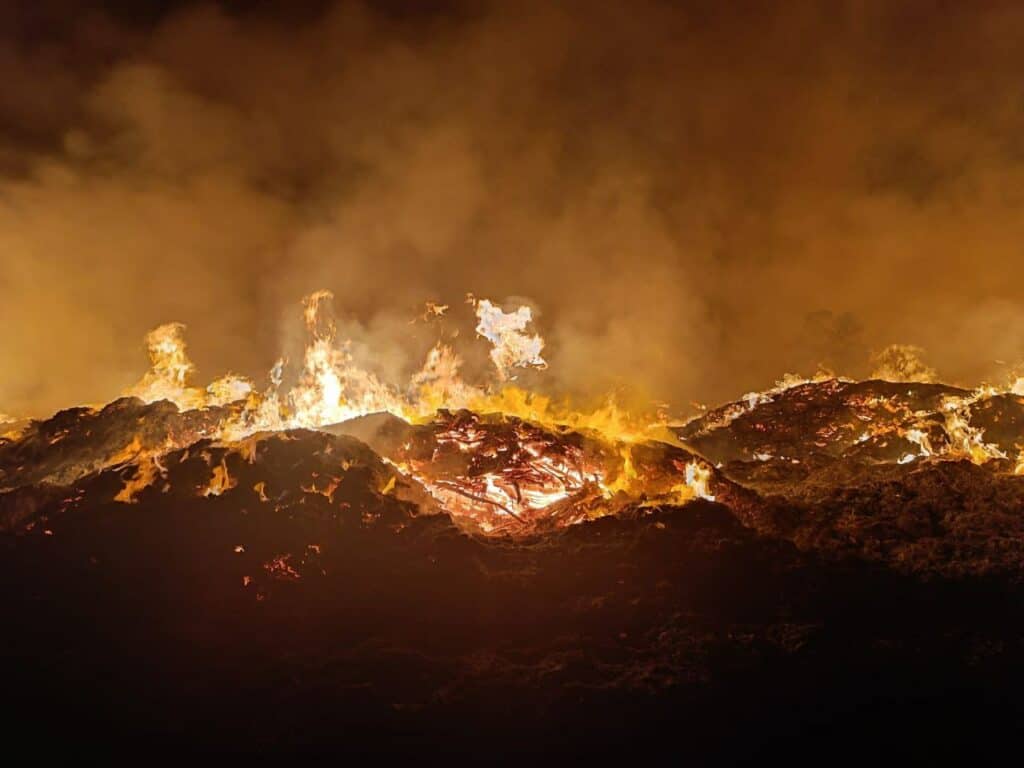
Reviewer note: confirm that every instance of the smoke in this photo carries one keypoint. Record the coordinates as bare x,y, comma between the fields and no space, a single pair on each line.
694,198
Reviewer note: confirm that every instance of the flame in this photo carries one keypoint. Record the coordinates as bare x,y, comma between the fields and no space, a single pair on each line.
526,477
9,427
281,568
609,419
698,478
129,452
332,388
902,362
438,384
146,471
512,348
695,482
921,440
518,495
626,477
220,482
170,376
529,476
966,441
432,309
1018,466
261,490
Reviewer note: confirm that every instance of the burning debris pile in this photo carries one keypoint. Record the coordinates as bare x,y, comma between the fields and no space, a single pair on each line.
513,464
449,552
865,422
498,459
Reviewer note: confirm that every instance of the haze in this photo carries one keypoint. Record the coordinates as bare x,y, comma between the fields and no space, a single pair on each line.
694,199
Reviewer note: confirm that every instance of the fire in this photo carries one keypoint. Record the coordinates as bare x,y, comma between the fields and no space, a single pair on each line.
147,467
332,388
537,481
438,384
221,480
964,440
698,478
919,438
516,471
752,400
512,347
608,418
170,376
497,473
147,470
902,362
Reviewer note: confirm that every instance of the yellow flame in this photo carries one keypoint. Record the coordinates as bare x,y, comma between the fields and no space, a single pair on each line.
146,471
261,490
966,441
902,362
332,388
170,375
220,482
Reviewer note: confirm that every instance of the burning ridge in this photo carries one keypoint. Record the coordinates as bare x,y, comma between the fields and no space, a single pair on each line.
491,473
502,460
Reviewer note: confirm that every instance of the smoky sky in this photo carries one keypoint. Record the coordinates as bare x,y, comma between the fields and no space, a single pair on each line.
696,198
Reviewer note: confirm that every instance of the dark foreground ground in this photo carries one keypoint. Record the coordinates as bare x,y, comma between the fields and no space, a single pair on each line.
679,631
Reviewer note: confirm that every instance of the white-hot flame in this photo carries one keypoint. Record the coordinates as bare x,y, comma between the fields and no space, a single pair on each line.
512,347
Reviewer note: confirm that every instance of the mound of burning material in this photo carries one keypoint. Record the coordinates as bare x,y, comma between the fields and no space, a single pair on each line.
492,474
861,422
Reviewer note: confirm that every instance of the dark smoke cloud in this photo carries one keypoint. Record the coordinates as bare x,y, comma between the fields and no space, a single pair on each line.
697,197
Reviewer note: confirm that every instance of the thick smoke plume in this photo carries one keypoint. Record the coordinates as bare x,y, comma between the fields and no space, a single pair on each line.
694,198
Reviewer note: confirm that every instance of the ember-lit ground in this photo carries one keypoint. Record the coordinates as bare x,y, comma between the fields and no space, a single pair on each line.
303,591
